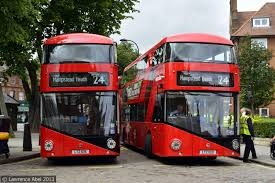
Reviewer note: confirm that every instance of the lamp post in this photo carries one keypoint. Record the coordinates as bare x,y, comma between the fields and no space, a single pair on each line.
128,40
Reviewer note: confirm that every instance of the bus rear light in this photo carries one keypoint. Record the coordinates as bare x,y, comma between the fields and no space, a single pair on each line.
48,145
175,144
111,144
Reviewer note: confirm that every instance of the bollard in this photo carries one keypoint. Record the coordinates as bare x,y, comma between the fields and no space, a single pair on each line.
27,141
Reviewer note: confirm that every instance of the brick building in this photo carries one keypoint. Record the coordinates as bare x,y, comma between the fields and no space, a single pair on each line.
14,88
260,25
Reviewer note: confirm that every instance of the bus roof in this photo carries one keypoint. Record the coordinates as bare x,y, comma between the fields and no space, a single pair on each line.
188,38
79,38
198,38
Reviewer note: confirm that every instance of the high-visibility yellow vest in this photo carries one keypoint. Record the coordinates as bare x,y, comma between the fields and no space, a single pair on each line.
228,121
244,126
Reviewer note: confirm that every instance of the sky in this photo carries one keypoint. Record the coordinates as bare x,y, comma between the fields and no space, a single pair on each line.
160,18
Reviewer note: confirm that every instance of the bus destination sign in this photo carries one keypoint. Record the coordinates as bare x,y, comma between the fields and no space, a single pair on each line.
217,79
133,90
77,79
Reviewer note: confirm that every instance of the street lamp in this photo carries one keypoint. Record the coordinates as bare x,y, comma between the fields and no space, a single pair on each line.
128,40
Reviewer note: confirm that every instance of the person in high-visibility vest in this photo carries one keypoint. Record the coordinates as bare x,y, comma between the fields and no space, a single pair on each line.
247,132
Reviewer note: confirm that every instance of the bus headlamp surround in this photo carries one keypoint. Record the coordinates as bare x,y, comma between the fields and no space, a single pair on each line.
235,144
175,144
111,144
48,145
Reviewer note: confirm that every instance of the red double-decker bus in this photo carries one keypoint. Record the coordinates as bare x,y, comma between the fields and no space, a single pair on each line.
180,98
79,97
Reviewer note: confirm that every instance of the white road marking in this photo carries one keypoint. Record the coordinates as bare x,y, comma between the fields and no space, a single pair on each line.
36,169
263,166
105,167
24,161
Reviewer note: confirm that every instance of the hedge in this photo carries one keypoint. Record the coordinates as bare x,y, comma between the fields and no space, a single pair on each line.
264,128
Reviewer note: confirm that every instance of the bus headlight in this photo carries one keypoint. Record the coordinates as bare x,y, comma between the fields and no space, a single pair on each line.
235,144
175,144
111,144
48,146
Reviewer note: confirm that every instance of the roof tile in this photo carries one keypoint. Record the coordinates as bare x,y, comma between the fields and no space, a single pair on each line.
268,10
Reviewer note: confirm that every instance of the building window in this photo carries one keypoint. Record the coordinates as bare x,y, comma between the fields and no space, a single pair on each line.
261,41
261,22
21,96
12,93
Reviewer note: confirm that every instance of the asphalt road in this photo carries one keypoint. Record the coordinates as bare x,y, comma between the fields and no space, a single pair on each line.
134,167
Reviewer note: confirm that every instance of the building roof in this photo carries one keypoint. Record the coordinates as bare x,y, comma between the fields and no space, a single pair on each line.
245,22
244,16
10,100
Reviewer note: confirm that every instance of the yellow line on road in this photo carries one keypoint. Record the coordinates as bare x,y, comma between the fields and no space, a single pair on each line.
160,165
123,148
37,169
24,161
263,166
105,167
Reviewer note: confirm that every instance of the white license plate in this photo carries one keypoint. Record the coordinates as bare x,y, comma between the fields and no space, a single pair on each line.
81,151
208,152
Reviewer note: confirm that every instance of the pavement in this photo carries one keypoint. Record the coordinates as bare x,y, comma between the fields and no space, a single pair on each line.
17,153
16,149
262,147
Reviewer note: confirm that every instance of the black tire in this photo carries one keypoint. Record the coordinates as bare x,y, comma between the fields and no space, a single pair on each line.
52,159
112,159
148,146
212,157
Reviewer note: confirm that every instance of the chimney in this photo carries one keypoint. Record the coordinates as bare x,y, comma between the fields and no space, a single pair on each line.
234,22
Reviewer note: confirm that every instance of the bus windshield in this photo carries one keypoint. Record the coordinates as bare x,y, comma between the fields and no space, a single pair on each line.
92,113
71,53
198,52
202,113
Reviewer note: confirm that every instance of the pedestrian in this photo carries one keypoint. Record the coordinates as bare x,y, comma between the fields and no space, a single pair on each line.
4,130
247,132
272,148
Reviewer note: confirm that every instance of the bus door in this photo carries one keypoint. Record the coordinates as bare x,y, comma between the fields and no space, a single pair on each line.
157,121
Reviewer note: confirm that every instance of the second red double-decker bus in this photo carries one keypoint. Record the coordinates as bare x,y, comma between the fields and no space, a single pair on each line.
180,98
79,101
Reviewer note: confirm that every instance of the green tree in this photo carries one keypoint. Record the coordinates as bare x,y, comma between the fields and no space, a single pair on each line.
125,55
26,23
257,77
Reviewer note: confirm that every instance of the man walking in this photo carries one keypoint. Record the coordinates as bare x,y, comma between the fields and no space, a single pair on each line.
247,132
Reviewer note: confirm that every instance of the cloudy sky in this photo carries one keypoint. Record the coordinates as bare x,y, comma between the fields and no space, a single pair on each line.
159,18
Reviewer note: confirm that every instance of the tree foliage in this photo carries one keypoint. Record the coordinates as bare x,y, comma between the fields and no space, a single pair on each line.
16,18
98,16
26,23
125,55
257,76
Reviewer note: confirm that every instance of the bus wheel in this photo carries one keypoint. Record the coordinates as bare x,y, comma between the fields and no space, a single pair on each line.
148,146
53,159
112,159
212,157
